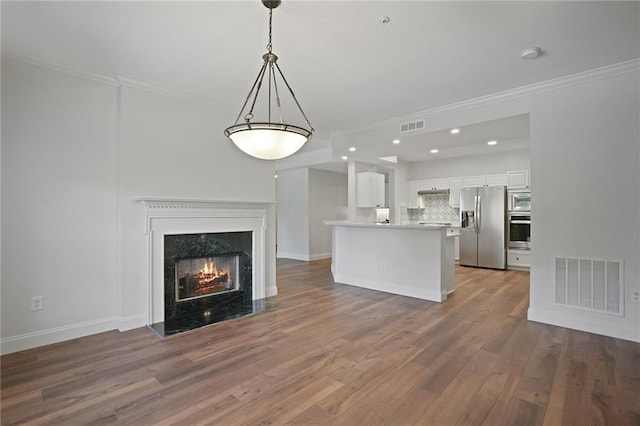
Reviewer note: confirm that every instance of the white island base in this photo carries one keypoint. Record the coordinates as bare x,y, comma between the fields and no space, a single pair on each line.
409,260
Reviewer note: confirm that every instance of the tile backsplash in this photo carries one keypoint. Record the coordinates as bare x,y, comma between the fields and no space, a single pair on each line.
436,208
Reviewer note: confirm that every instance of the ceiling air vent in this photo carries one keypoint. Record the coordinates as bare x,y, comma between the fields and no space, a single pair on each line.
412,126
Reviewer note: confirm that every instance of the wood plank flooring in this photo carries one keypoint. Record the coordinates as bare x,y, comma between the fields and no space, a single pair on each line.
334,354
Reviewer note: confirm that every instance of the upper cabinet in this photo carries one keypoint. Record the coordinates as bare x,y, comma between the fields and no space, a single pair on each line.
441,184
497,180
518,179
513,180
474,181
412,197
432,184
455,185
371,189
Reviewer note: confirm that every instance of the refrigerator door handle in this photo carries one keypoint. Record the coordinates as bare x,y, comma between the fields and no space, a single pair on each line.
478,215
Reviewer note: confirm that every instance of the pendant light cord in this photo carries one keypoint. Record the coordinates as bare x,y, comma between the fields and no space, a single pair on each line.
269,66
270,19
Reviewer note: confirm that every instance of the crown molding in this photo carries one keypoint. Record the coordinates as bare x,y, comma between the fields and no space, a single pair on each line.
197,100
608,71
86,75
121,81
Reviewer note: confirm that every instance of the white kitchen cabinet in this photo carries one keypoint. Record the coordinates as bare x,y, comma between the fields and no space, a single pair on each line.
474,181
456,242
497,180
455,185
412,193
518,179
432,184
518,259
426,184
441,183
370,189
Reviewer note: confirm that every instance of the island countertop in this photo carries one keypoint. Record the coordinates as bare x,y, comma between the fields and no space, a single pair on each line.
425,227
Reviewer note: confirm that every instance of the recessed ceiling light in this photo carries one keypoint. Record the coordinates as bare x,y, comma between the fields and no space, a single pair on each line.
396,141
434,151
353,148
492,143
455,131
344,157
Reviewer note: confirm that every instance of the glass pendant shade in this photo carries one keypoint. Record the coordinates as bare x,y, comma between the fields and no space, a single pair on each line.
267,139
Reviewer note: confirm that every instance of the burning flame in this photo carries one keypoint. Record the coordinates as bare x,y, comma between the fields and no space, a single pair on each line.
210,272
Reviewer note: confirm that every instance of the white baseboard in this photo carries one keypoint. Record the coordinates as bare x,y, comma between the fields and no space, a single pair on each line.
619,331
392,288
131,322
320,256
304,257
54,335
270,291
294,256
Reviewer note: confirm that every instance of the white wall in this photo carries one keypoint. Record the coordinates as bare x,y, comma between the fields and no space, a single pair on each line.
77,154
398,190
327,201
585,144
293,213
58,204
495,163
306,198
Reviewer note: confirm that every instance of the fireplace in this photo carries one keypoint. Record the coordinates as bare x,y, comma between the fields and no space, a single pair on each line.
206,262
206,276
207,279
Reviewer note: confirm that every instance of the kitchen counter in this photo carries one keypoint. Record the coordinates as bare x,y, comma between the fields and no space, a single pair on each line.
423,227
406,259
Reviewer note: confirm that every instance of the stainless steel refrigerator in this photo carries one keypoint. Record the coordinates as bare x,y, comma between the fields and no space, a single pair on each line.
483,227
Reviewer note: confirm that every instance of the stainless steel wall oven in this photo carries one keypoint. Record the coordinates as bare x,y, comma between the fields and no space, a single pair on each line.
520,230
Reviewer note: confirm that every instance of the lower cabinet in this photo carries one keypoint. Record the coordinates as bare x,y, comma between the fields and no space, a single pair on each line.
456,242
518,259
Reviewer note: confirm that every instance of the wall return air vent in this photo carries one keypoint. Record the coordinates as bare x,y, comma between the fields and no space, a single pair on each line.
594,285
412,126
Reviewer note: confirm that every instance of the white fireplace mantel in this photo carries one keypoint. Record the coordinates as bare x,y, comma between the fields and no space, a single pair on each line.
183,216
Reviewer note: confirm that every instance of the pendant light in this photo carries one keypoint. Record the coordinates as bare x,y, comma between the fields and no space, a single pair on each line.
270,139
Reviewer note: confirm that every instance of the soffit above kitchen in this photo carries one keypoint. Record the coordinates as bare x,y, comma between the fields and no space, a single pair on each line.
348,67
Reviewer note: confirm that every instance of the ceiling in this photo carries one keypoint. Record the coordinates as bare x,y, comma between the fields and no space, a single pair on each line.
347,68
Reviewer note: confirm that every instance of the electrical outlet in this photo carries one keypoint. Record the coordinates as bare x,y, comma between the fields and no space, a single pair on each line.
635,296
36,303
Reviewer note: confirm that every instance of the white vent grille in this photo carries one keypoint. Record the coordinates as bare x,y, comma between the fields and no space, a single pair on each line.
594,285
412,126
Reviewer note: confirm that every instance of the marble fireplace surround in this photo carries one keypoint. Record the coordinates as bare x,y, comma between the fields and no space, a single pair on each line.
173,217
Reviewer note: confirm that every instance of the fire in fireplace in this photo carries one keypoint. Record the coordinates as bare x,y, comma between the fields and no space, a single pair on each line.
206,276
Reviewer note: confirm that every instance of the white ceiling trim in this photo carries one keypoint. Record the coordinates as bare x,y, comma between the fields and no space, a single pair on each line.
608,71
202,101
99,78
121,81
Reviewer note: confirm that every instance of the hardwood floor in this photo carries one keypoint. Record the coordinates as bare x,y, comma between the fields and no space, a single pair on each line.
335,354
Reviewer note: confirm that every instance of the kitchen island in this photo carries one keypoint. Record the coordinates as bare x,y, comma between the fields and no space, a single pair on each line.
409,260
